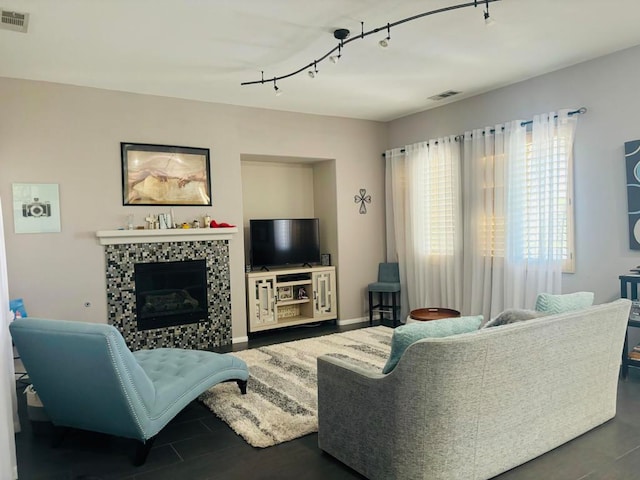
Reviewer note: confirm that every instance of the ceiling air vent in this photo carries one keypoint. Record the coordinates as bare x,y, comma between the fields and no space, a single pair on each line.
16,21
443,95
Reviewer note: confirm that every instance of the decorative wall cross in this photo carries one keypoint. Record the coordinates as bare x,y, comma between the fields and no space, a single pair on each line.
362,199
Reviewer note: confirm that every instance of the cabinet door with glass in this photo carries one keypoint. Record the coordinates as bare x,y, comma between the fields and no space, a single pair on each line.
263,309
324,296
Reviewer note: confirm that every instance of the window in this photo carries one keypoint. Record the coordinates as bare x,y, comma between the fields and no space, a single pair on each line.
548,217
540,202
437,198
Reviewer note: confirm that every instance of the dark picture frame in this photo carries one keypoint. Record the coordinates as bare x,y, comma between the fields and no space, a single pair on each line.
165,175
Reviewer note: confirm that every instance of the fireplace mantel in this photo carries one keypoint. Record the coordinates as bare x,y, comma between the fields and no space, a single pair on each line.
119,237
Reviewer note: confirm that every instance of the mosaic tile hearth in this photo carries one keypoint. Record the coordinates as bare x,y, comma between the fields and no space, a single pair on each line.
121,298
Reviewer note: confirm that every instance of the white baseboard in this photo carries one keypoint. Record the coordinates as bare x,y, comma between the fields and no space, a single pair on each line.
239,340
351,321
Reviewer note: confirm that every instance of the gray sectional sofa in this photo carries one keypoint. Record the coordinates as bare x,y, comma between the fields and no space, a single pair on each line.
474,405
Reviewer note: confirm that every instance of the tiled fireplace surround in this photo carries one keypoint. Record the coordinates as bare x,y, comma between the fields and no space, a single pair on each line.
123,249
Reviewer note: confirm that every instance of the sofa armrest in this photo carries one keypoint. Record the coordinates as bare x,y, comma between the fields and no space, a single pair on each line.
355,413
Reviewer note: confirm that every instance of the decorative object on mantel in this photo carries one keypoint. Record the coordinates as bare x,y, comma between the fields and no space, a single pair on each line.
632,156
215,224
165,221
286,406
152,222
342,35
165,175
36,207
362,199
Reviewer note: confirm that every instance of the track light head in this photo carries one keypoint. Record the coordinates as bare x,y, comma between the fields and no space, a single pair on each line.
314,72
336,58
277,90
488,21
384,43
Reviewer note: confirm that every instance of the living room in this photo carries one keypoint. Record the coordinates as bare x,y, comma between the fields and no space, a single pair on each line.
60,133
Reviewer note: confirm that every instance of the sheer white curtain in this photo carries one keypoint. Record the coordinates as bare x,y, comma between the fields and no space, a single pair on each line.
425,214
9,422
395,175
516,185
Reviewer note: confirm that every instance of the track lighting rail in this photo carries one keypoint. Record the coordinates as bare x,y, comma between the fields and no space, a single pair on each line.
342,35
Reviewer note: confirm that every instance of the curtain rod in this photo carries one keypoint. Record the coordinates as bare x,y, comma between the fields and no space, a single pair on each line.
579,111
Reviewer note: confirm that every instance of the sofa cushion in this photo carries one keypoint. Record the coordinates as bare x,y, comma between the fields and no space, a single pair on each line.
553,304
512,315
405,335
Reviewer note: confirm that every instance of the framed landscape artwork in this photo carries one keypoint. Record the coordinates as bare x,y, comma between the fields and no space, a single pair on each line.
165,175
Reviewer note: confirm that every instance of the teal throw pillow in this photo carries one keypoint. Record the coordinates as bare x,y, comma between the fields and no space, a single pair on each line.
405,335
568,302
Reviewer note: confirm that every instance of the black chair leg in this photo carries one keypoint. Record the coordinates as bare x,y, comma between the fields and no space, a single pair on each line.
243,386
142,452
394,309
624,367
370,309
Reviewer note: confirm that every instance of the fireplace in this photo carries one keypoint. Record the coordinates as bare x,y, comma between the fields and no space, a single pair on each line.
170,293
125,252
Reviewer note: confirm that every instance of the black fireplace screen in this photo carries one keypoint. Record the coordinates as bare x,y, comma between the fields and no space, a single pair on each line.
170,293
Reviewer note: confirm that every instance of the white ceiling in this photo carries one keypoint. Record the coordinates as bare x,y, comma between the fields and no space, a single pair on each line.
204,49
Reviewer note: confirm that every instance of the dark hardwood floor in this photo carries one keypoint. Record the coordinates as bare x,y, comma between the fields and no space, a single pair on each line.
196,445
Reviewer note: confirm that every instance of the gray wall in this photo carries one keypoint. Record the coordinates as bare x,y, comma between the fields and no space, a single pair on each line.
608,87
51,133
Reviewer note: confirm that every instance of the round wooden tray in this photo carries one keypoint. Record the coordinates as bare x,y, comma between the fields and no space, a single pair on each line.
436,313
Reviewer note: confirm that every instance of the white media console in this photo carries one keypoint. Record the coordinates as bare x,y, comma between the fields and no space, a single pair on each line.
294,296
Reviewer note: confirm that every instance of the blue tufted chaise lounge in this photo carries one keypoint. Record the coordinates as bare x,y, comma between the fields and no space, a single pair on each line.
87,378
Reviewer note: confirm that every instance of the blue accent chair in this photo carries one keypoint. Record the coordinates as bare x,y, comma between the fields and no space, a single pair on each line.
87,378
388,284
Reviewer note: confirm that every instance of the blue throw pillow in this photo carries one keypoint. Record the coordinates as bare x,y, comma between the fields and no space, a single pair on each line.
568,302
405,335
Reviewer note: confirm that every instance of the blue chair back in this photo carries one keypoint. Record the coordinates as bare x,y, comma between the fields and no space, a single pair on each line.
388,273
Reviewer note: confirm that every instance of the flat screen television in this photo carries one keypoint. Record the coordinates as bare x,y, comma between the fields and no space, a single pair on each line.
284,241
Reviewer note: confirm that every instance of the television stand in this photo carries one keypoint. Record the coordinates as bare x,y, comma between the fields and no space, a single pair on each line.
292,296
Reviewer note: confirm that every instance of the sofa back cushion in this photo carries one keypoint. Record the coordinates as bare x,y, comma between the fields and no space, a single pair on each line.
553,304
512,315
405,335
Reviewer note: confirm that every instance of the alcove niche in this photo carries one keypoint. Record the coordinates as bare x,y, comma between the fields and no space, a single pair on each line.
291,187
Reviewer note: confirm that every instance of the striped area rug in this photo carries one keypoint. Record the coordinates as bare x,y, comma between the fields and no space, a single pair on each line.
281,401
